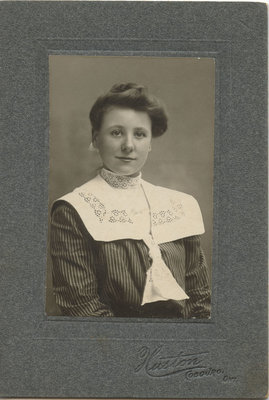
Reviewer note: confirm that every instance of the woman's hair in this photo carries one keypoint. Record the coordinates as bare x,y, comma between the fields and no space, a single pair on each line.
134,96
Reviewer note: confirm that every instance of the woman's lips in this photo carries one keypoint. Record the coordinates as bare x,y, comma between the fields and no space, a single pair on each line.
126,159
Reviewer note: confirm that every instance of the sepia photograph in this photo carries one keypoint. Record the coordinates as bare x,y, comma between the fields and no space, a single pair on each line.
134,200
130,186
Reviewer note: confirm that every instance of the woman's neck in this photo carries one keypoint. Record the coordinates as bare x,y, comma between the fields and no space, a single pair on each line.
120,181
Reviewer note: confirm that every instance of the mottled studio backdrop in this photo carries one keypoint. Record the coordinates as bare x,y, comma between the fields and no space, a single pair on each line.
181,159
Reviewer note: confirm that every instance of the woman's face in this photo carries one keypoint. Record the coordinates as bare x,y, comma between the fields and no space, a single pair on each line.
124,140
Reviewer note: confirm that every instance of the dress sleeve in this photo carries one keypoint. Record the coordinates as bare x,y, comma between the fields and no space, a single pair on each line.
73,265
197,280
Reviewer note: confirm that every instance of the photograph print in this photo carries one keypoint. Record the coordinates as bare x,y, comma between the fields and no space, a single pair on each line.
131,187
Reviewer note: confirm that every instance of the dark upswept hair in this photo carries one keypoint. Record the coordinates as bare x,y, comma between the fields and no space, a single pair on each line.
134,96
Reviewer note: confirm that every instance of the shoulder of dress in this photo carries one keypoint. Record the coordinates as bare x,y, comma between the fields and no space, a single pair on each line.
171,194
68,198
87,186
175,215
63,212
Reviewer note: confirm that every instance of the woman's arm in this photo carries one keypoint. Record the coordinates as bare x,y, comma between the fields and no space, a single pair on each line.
197,280
73,265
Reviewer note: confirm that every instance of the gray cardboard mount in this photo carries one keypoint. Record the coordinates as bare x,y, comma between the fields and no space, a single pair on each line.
225,357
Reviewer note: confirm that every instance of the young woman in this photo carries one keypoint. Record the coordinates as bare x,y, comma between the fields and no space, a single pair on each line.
119,245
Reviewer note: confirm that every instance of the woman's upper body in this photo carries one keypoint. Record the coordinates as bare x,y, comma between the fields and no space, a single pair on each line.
121,246
102,247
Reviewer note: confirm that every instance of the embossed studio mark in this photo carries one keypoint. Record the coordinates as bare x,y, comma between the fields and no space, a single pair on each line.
210,372
155,364
192,365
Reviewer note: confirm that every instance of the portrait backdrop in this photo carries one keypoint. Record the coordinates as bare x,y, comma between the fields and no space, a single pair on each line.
181,159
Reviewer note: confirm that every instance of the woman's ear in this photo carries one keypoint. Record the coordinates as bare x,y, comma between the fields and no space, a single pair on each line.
94,139
94,144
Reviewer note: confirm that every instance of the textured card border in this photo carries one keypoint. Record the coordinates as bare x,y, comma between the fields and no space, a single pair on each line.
59,357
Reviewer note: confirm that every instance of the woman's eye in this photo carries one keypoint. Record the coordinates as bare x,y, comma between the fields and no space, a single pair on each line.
116,132
140,134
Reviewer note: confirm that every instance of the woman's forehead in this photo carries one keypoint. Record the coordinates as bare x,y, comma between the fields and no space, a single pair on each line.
115,115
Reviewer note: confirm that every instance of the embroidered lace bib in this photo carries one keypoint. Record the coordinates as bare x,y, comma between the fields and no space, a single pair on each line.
114,207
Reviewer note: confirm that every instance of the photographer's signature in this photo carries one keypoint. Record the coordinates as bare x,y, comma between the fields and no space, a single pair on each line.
192,365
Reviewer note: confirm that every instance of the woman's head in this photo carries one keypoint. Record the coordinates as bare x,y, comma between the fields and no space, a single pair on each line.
135,97
123,124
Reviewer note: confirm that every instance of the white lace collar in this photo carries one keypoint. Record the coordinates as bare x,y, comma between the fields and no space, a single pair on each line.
120,181
109,215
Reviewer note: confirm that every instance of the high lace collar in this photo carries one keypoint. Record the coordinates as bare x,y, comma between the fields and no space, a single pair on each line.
120,181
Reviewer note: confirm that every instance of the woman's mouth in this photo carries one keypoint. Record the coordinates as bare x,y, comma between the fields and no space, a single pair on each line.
126,159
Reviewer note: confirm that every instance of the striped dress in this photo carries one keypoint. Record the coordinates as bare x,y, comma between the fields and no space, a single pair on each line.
95,278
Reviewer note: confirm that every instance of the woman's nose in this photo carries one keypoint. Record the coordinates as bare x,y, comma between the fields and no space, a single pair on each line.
127,145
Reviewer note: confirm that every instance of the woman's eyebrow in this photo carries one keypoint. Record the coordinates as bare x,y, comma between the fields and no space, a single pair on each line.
122,126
